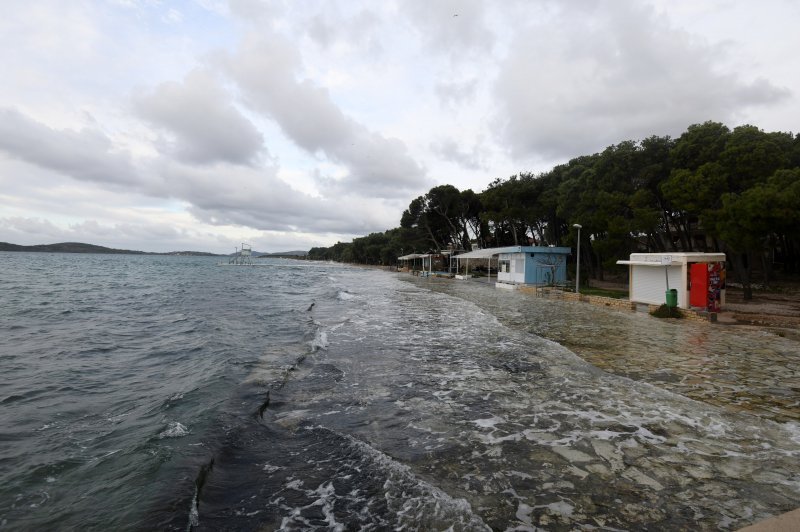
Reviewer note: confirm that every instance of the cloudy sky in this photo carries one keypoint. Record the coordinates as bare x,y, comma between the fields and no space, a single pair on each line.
198,124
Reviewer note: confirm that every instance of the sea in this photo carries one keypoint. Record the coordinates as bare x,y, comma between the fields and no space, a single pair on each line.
144,392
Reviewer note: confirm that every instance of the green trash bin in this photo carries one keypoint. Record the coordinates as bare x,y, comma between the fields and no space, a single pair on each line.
672,298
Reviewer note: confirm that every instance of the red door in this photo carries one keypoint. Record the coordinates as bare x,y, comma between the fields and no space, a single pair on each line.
698,293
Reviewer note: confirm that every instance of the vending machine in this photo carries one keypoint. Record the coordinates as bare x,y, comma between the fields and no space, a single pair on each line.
707,280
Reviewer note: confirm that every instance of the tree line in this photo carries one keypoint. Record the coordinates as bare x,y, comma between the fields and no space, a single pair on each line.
711,189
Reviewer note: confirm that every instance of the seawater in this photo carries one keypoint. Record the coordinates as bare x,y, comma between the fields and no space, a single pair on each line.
172,393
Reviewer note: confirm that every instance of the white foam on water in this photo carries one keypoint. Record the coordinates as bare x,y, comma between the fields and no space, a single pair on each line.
194,514
320,340
412,502
489,423
344,295
561,508
174,430
327,497
793,428
269,468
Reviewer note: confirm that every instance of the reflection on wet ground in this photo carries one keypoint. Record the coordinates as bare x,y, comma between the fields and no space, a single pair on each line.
732,366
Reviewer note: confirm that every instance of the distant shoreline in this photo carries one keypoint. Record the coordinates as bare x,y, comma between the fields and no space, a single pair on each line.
79,247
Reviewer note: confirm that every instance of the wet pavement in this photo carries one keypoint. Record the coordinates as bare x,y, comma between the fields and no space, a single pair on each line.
418,410
738,367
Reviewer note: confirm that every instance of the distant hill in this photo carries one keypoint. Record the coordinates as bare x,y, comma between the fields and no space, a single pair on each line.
79,247
67,247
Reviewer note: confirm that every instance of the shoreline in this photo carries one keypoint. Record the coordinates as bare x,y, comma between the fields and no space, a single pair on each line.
737,375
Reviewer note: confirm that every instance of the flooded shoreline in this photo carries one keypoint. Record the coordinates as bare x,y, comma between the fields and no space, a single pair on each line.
325,397
737,367
426,388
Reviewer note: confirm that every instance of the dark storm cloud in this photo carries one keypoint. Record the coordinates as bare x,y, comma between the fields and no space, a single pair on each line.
204,125
609,71
266,70
86,155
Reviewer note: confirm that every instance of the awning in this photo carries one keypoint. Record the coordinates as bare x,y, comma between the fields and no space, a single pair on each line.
646,263
487,253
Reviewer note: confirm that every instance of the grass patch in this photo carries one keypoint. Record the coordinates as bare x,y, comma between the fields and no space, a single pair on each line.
666,312
603,292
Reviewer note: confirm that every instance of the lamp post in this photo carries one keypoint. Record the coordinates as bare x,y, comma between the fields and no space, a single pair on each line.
578,261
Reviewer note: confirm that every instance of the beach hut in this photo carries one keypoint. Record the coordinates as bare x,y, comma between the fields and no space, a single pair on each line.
424,264
523,265
697,278
415,262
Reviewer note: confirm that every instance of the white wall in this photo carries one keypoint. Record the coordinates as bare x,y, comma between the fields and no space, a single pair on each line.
648,284
516,268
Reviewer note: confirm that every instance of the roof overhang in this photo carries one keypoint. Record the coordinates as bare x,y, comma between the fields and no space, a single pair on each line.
646,263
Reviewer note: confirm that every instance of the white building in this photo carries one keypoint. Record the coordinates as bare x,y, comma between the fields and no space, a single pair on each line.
524,265
699,279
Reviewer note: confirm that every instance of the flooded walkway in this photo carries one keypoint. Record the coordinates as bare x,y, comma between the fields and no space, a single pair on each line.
737,367
432,404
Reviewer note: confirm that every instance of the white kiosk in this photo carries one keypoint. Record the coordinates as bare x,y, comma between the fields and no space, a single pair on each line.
699,279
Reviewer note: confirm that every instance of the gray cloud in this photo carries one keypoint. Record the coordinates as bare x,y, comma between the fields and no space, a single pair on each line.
266,70
257,198
356,31
612,71
219,193
457,93
145,236
205,126
86,155
458,27
450,150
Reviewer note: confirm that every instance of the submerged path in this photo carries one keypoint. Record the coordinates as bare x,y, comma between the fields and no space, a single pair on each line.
429,404
739,367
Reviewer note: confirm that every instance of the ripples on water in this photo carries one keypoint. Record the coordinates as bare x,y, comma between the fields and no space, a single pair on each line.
155,392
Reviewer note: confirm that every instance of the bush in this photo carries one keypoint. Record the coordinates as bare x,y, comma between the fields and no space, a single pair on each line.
666,312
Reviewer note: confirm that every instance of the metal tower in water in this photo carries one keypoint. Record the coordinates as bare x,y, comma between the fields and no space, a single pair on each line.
243,256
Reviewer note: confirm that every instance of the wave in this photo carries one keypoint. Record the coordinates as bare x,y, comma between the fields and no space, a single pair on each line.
326,481
174,430
344,295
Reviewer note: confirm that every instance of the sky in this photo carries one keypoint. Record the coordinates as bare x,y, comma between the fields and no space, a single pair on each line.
200,124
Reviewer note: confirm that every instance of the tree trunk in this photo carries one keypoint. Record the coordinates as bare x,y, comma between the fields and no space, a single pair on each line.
668,222
743,269
766,265
598,267
436,244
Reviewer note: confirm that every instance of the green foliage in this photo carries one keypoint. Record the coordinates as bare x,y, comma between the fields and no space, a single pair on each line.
666,312
603,292
711,189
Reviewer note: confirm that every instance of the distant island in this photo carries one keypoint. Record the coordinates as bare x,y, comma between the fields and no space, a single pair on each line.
79,247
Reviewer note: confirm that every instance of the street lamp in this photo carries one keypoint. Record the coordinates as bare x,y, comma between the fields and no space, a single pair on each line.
578,261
